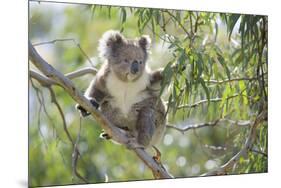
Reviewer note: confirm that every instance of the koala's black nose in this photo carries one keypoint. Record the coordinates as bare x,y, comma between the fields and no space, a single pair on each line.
134,67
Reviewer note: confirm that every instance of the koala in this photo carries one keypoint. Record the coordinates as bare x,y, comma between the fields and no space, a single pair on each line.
126,91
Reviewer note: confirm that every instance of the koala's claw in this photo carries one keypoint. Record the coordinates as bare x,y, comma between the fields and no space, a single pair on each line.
157,157
104,135
84,112
94,103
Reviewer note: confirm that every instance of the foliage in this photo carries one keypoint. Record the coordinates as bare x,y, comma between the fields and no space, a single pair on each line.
221,73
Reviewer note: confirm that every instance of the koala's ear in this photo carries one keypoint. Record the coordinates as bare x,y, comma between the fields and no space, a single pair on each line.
144,42
109,42
113,38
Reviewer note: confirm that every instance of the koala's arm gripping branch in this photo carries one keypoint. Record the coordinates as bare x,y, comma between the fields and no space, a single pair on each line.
113,131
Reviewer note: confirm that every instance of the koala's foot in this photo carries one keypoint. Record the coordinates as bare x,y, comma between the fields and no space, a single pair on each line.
133,144
84,112
105,136
144,139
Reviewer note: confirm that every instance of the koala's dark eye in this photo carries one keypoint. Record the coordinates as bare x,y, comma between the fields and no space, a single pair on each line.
126,61
140,62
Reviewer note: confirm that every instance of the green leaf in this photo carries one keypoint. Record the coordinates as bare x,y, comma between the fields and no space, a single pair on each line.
243,88
226,93
93,8
123,15
231,23
167,75
203,84
217,30
222,62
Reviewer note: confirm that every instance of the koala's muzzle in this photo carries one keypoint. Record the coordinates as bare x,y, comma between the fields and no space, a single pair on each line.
134,67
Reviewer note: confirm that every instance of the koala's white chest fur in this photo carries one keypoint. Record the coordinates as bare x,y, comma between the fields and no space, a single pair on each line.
126,94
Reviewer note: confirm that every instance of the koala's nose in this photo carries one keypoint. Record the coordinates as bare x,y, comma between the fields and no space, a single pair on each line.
134,67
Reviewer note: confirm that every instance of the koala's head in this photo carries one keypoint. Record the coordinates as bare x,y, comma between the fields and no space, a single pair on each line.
126,57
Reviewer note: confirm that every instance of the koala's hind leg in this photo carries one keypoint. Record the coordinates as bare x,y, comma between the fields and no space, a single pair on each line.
145,125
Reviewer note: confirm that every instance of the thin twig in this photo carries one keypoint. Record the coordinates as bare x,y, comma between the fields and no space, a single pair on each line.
231,80
75,155
241,123
81,72
179,23
206,101
259,152
54,100
39,96
64,40
46,82
42,101
75,149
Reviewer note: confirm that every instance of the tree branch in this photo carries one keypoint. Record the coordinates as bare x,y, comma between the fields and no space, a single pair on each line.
114,132
209,124
206,100
81,72
232,80
44,81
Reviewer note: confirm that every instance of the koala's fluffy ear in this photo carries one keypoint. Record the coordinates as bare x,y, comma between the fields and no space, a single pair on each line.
109,42
144,42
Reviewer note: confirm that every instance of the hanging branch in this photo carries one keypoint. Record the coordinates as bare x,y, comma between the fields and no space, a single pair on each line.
75,155
54,100
114,132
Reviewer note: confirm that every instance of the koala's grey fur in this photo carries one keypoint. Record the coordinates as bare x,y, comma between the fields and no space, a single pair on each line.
128,95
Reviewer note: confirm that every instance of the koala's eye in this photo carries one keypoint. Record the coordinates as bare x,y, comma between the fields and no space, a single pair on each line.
126,61
140,62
